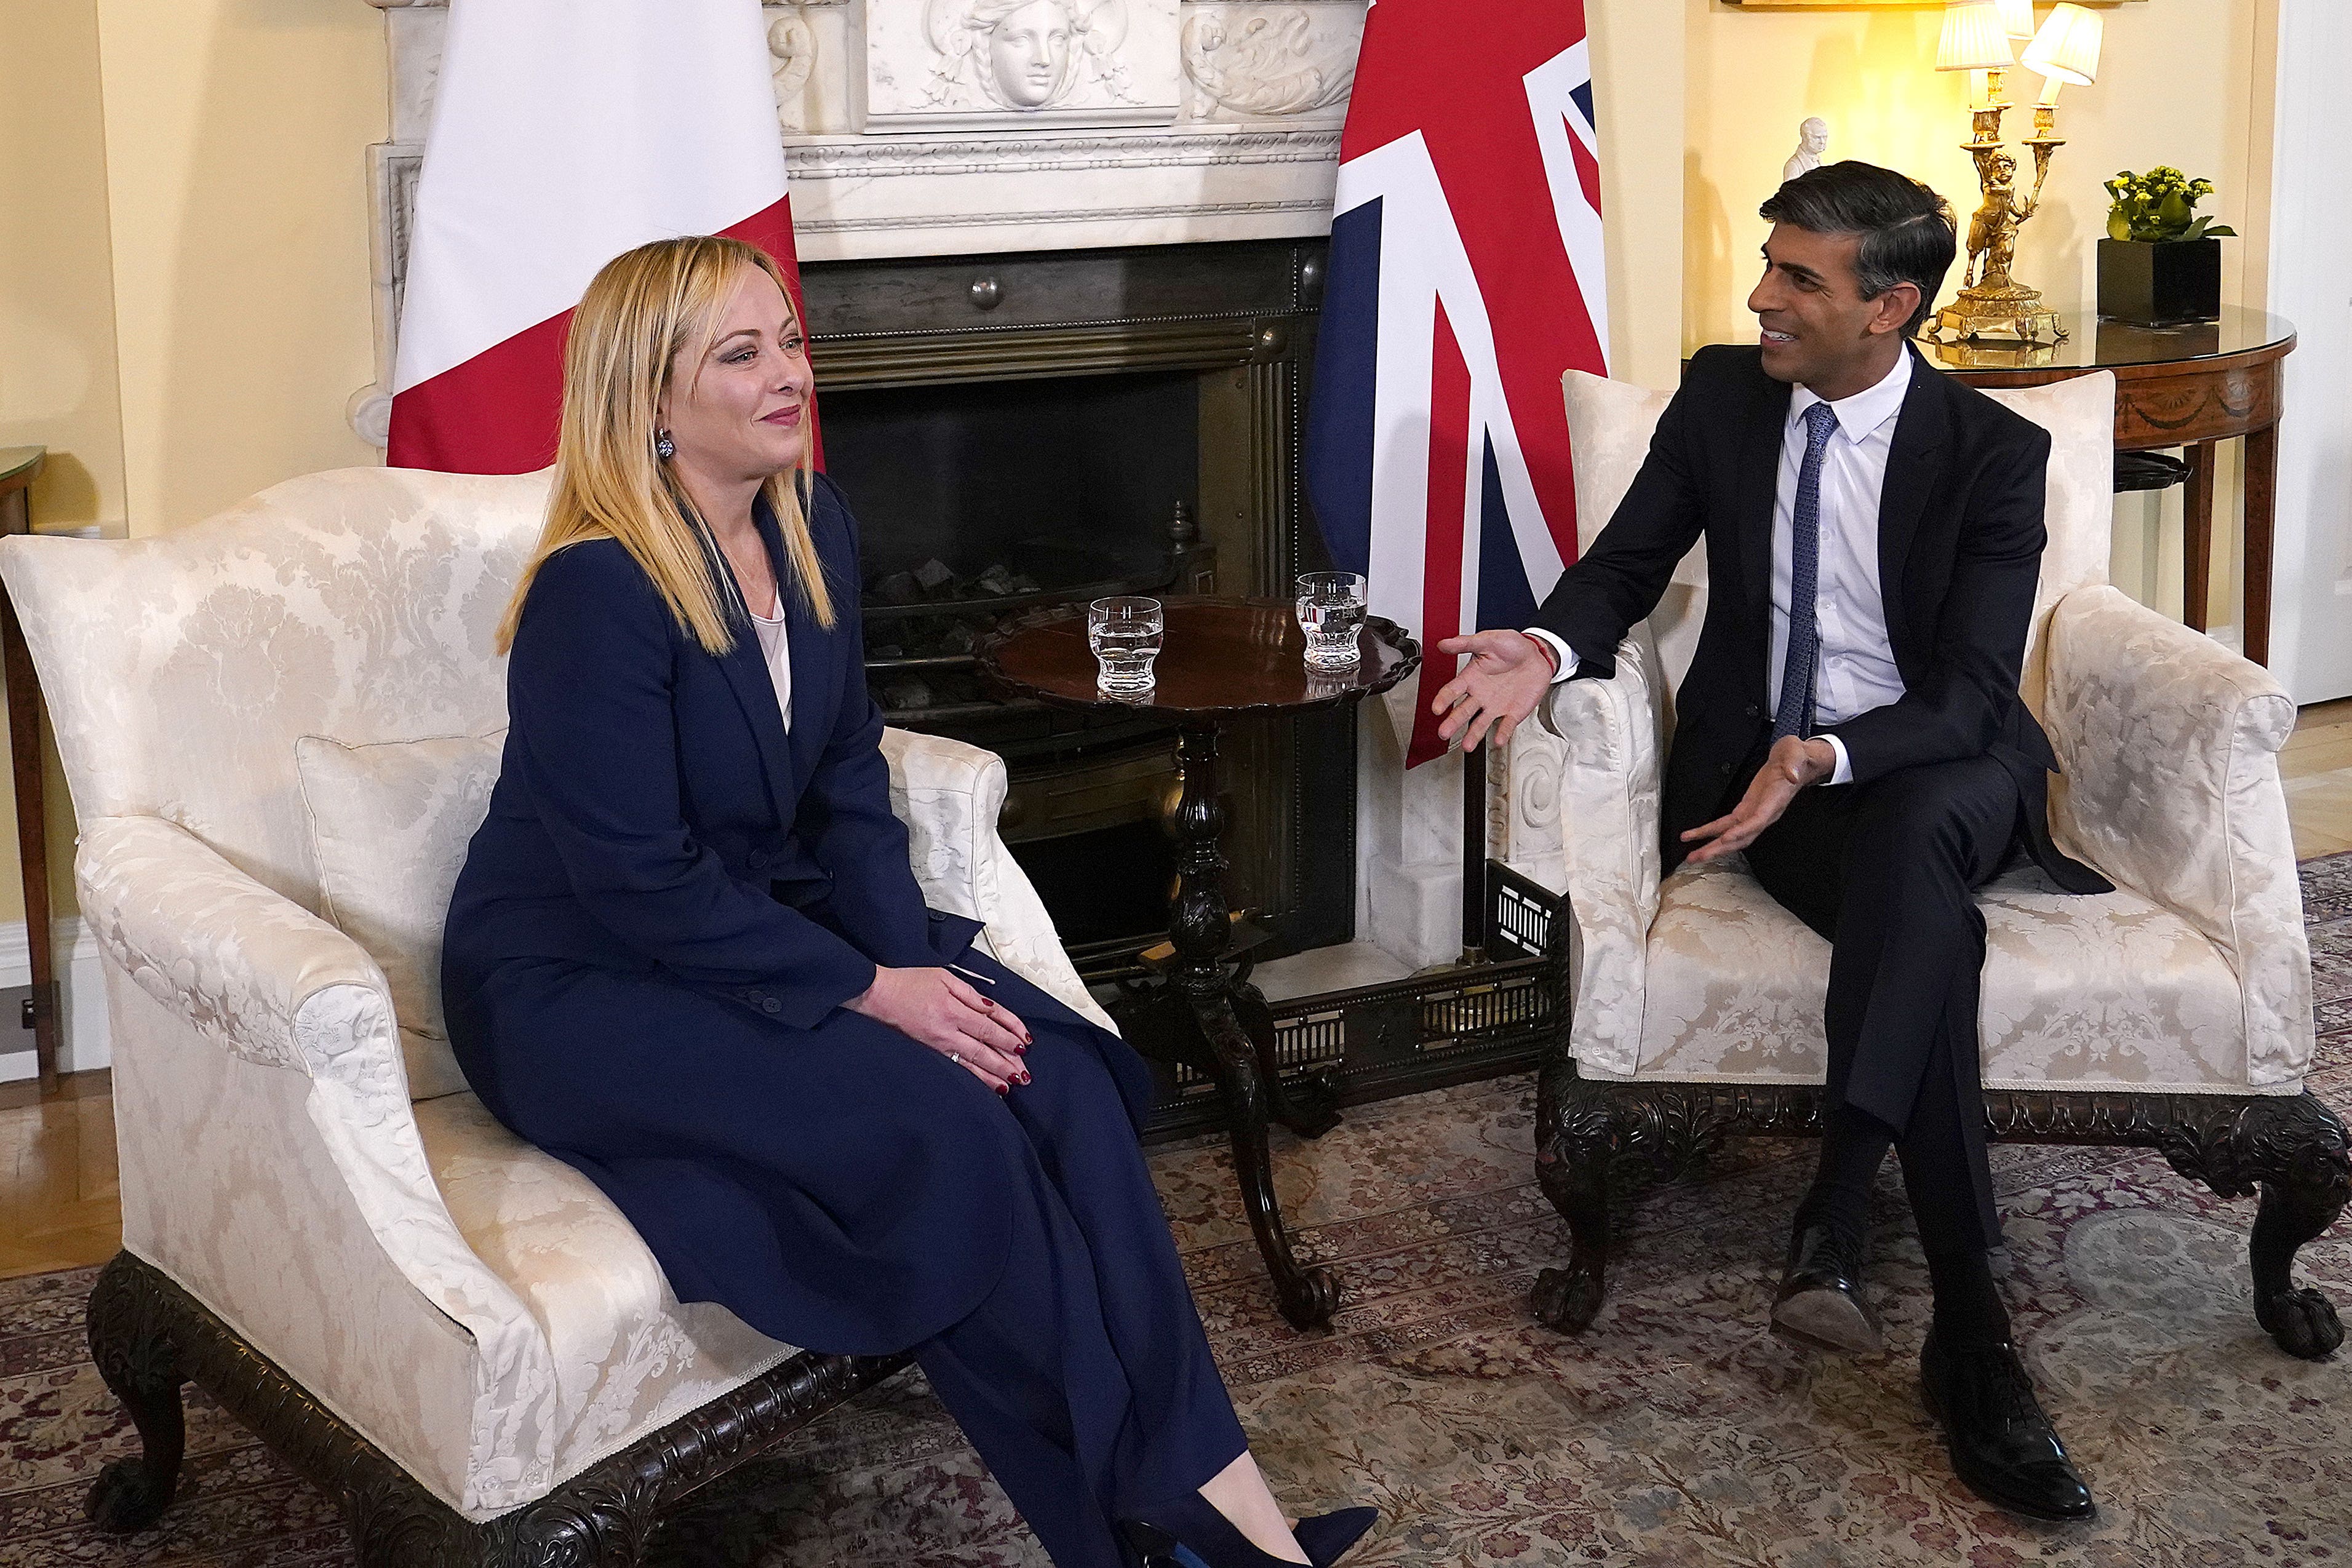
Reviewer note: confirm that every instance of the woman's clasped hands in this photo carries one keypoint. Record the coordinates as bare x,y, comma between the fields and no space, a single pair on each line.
933,1007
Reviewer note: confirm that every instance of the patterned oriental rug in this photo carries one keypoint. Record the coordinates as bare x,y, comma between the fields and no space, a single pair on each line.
1676,1432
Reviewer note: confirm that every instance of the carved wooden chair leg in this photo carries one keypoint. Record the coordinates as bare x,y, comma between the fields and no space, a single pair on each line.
1579,1145
2309,1180
130,1341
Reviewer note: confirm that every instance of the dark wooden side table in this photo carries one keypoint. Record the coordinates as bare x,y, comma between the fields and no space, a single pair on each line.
2188,386
19,467
1223,660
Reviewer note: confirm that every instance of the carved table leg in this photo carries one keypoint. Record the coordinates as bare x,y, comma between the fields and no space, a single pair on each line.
1307,1296
2197,533
1242,1058
1307,1105
1575,1144
2309,1183
130,1341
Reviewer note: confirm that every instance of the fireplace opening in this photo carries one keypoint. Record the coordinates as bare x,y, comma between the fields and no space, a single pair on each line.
1017,431
1052,485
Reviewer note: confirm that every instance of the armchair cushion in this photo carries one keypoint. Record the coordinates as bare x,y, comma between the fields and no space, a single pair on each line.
2078,992
388,824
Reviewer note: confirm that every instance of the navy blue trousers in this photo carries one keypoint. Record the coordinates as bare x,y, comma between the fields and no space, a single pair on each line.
833,1187
1083,1378
1888,871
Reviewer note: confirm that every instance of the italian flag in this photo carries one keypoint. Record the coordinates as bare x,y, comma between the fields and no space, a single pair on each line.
564,132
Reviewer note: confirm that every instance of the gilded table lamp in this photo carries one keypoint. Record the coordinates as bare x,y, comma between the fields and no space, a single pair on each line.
1977,37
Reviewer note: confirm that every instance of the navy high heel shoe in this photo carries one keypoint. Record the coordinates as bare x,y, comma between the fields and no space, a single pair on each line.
1189,1532
1327,1537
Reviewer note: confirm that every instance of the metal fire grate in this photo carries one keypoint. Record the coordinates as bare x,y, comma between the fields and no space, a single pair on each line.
1454,1025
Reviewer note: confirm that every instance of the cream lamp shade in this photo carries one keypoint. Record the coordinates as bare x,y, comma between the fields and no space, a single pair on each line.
2067,48
1973,39
2017,19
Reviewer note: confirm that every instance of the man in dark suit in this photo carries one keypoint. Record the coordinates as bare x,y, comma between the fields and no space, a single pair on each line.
1850,722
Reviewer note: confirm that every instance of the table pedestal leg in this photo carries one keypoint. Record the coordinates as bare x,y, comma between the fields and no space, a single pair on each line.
1234,1030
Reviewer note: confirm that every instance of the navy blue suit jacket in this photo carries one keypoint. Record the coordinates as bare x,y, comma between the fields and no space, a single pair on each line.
751,863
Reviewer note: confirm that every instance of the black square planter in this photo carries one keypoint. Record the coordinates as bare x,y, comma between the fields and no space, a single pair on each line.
2160,285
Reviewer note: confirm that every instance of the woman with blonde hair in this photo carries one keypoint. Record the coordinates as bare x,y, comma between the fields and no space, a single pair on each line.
687,955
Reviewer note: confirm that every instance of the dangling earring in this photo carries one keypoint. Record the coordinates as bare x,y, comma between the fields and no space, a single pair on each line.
663,445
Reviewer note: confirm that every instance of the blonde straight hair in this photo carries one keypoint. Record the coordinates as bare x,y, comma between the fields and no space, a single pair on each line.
644,309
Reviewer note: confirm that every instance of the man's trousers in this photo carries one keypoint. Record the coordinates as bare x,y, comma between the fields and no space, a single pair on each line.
1887,871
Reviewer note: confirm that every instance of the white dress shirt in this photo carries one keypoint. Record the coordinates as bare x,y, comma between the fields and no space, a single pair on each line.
1855,669
777,651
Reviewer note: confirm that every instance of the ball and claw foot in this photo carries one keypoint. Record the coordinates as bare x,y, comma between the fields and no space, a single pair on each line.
1567,1299
2302,1322
125,1498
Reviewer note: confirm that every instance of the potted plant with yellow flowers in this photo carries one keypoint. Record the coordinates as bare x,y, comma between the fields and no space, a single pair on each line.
2160,263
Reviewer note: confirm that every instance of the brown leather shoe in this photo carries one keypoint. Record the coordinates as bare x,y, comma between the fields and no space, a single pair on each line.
1820,1303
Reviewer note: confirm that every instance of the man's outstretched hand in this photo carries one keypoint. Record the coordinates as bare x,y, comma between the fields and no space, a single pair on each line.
1792,766
1504,676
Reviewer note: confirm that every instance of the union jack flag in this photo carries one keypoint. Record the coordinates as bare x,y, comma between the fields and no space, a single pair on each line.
1466,276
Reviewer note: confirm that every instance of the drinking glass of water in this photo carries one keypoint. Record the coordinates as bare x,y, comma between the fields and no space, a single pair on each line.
1125,634
1332,612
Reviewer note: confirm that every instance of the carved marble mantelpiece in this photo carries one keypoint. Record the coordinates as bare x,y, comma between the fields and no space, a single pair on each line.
949,127
962,127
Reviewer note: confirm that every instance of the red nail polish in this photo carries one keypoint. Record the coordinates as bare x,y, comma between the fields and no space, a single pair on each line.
1023,1078
1003,1089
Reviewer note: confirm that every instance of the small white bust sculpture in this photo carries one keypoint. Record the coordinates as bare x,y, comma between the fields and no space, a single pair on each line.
1812,140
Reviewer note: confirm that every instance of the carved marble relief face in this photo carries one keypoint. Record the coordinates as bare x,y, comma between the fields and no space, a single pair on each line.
1027,55
1029,52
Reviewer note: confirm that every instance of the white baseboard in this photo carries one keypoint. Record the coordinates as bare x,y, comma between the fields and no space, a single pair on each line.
82,1041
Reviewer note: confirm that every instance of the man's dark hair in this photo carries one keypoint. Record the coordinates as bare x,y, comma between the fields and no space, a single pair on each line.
1907,232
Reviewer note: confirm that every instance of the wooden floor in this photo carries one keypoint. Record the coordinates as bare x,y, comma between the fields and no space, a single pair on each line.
59,1206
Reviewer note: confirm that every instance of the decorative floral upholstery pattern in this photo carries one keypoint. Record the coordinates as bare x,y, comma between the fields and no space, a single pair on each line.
390,825
474,1308
2194,976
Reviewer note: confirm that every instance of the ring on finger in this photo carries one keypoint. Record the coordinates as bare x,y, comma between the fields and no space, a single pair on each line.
956,1057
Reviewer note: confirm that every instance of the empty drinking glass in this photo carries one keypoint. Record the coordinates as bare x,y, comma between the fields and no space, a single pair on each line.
1332,612
1125,634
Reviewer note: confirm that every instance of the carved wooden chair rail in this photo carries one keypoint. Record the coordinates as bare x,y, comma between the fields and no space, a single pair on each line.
149,1337
2291,1148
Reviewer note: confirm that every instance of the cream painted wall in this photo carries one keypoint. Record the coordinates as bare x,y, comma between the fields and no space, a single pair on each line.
235,147
58,384
2184,82
1640,78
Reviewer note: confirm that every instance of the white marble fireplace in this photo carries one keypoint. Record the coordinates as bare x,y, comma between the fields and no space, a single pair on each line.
943,128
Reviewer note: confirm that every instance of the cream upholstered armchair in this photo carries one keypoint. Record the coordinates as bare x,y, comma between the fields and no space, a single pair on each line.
281,726
2174,1013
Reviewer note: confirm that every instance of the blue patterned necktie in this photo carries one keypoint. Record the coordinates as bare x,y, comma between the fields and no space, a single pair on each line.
1795,714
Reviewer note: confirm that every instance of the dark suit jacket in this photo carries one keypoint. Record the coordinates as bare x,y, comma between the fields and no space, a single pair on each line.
756,865
1959,551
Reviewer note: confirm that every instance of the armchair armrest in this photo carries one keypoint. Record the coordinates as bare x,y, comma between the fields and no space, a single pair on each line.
255,973
2171,786
1609,791
949,795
